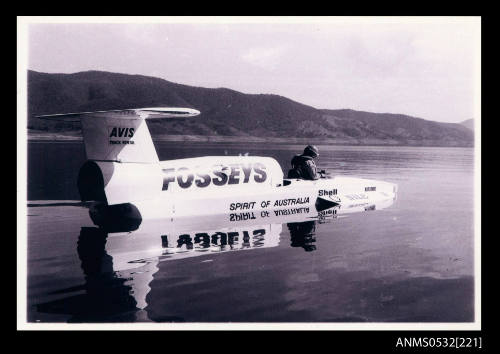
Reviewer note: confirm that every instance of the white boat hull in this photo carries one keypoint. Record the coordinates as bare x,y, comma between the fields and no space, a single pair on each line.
292,197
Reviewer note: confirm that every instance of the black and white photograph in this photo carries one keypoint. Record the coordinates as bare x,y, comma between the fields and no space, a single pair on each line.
257,173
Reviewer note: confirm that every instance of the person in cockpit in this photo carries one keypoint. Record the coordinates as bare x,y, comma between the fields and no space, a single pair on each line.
303,166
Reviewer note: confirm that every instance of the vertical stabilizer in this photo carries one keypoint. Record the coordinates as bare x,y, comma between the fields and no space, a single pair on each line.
118,140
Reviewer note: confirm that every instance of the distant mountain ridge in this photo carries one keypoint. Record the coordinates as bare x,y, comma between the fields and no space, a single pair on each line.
227,112
469,123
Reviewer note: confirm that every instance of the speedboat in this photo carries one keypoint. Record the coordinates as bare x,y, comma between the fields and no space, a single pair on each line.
128,185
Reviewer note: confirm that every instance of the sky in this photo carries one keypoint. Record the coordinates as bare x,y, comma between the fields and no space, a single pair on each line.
423,67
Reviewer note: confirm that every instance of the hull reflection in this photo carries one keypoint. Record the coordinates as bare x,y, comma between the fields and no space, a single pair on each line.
120,266
108,295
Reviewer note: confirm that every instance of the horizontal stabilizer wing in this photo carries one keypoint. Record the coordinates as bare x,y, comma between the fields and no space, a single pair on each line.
121,135
132,113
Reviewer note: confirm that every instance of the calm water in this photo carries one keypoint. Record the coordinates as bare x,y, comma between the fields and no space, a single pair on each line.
411,262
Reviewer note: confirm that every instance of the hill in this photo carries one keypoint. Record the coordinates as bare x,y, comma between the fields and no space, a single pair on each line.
227,112
469,123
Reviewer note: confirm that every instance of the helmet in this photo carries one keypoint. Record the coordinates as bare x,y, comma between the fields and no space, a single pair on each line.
311,150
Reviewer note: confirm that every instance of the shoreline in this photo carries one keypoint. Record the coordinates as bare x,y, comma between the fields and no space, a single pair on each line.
70,137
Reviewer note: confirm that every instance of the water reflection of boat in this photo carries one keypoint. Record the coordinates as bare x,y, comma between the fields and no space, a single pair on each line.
302,235
107,295
119,266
